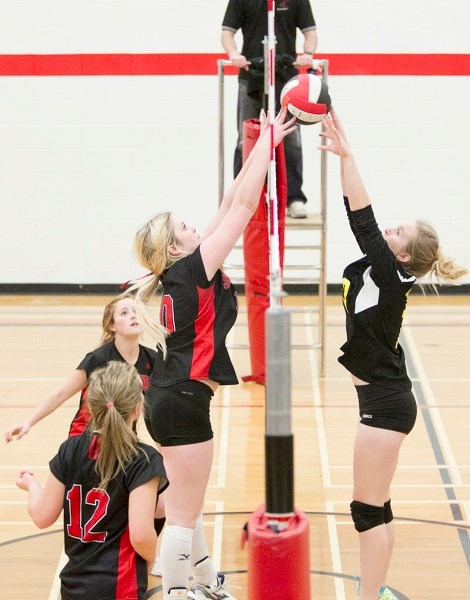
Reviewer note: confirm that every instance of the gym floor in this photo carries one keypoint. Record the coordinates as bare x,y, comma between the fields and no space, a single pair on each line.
45,337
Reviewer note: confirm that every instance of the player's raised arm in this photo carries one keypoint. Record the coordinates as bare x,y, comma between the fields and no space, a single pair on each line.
71,386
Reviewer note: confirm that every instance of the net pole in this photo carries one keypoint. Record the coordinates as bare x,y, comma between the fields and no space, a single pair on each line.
278,439
277,533
275,260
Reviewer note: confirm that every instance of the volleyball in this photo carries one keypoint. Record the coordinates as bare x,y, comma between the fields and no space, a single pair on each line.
307,98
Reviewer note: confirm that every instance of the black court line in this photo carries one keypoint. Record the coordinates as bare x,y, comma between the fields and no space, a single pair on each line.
416,325
312,513
248,513
446,478
30,537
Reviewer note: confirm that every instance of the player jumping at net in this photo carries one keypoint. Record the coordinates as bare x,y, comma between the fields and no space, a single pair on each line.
107,482
198,309
375,292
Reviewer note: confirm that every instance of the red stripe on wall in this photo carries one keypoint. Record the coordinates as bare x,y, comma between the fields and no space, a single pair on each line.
34,65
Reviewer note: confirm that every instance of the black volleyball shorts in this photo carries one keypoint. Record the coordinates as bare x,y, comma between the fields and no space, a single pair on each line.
388,409
180,414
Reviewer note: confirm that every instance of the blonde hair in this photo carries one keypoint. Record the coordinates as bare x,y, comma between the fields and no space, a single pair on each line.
426,257
108,318
113,393
151,249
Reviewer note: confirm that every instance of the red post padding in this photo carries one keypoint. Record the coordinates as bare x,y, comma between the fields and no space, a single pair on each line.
278,563
256,255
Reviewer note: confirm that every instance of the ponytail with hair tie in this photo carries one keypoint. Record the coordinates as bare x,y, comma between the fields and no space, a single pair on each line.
426,257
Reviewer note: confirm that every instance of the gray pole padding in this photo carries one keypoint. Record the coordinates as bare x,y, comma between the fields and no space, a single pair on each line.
278,372
279,441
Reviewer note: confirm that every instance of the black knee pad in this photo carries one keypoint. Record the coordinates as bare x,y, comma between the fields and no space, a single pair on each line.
388,514
366,516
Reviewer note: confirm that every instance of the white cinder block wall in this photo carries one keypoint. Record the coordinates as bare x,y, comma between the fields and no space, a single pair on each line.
84,160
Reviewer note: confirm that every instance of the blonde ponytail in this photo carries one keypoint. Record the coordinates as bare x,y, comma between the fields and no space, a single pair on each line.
151,244
113,393
145,292
447,269
426,257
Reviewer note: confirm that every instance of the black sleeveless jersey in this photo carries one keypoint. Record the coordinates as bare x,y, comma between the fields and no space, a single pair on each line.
375,292
198,313
99,358
102,563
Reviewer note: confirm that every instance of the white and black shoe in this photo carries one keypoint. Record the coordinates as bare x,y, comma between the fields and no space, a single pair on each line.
217,592
296,210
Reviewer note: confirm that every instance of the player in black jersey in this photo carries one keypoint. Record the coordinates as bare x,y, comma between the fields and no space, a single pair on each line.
120,341
107,482
197,311
375,292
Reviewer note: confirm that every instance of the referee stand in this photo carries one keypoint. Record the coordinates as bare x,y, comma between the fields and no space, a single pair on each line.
304,240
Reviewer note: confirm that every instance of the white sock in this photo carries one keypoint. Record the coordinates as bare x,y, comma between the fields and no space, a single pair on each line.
175,557
203,568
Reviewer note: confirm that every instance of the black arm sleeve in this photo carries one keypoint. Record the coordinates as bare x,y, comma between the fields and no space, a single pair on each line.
351,222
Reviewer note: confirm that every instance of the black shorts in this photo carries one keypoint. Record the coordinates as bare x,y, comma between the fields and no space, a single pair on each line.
180,414
388,409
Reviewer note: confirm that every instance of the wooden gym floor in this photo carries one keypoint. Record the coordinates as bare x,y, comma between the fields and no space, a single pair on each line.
44,338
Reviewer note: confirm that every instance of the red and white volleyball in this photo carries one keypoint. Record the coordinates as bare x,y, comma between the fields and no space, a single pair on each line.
307,98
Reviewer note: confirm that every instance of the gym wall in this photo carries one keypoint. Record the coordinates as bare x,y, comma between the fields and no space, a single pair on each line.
109,114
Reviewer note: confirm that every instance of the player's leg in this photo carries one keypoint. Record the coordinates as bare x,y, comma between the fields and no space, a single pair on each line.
188,468
159,523
376,454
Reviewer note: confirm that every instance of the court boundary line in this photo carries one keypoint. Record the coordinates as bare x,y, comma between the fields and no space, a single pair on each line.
433,424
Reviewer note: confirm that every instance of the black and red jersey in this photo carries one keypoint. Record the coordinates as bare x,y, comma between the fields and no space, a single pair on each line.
198,314
375,293
99,358
102,563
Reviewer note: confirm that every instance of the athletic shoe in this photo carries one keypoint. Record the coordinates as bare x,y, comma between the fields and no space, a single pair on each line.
218,592
157,568
178,593
386,594
296,210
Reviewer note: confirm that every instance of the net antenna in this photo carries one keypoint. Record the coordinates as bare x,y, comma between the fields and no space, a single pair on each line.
275,290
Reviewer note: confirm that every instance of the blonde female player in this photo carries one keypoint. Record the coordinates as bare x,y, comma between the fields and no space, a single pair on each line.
120,342
106,481
198,309
375,292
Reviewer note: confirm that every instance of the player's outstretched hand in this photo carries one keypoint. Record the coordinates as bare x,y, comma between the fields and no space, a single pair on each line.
17,430
283,127
334,132
263,121
338,125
